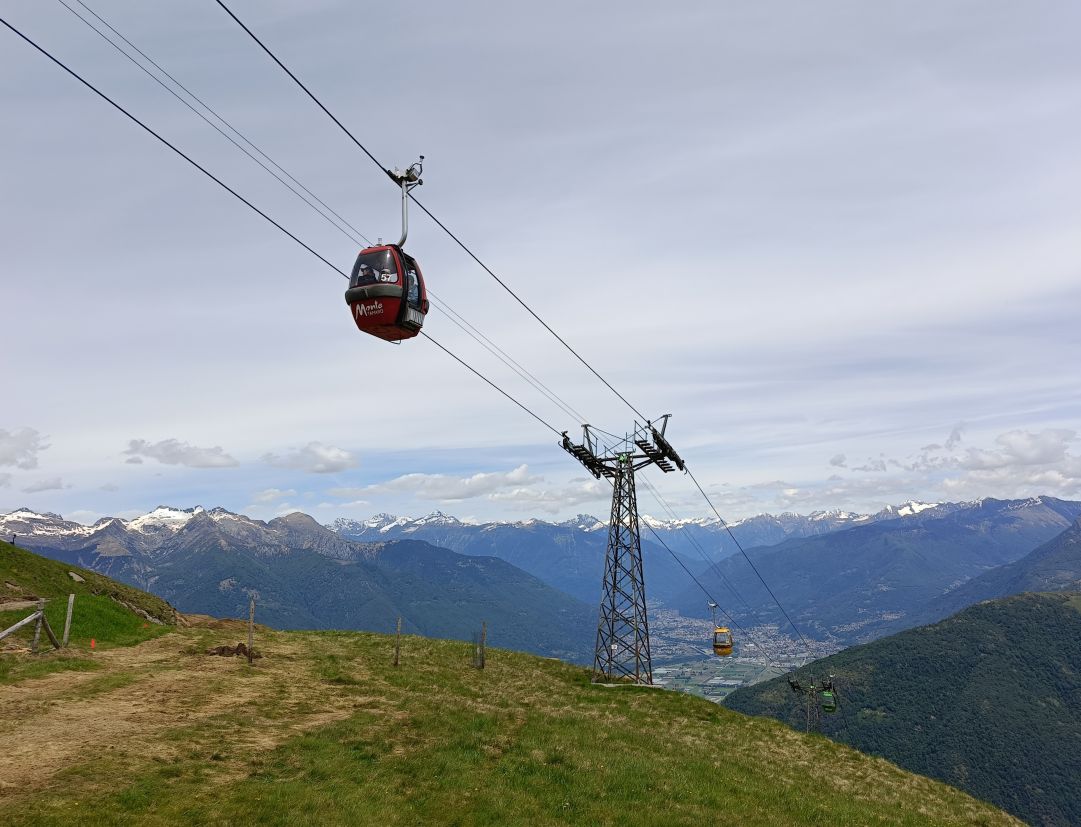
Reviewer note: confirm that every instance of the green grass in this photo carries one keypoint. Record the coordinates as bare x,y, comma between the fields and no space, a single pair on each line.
526,741
105,611
37,576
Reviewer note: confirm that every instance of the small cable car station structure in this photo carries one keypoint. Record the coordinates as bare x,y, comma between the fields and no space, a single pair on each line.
622,649
816,700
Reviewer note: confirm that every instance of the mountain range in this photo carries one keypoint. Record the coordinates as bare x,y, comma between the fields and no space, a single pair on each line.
306,576
841,577
874,579
570,554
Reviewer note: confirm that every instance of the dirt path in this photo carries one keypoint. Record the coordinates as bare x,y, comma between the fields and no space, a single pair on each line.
127,708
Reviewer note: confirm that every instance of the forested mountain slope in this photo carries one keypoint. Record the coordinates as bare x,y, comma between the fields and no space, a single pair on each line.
988,700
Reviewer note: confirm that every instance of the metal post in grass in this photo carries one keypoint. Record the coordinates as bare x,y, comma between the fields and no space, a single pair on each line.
398,644
67,620
37,628
251,629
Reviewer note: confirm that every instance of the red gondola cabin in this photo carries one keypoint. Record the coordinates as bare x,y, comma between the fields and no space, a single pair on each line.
386,293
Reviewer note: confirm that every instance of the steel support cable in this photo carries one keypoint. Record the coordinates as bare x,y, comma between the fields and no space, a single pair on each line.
660,500
171,146
706,558
705,591
427,212
504,357
345,227
750,562
350,232
477,373
248,203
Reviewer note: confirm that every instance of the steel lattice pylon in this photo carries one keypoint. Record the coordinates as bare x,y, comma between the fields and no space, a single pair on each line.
622,651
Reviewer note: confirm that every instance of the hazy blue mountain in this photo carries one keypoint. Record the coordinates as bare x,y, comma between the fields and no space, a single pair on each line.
1054,566
872,579
570,555
988,700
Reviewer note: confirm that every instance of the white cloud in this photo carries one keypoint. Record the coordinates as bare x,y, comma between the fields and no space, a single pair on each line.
838,460
21,447
444,487
5,480
174,452
51,484
314,458
110,487
1021,448
553,500
271,494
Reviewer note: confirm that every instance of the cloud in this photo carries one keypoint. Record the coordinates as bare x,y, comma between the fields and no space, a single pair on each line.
270,494
174,452
109,487
51,484
838,460
877,466
553,500
954,438
5,480
314,458
1023,463
21,447
1021,448
444,487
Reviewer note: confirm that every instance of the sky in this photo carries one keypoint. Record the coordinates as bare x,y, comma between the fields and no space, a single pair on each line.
839,242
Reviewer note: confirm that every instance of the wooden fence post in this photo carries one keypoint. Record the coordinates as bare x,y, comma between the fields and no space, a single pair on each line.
25,621
483,639
251,630
398,644
37,628
67,621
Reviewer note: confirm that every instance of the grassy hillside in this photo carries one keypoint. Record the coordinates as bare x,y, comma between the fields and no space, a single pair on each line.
108,612
988,700
324,730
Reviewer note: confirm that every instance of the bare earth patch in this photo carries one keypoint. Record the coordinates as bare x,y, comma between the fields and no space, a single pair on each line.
60,721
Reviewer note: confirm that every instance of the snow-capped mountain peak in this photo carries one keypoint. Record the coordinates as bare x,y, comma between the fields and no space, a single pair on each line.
584,522
909,509
437,518
164,517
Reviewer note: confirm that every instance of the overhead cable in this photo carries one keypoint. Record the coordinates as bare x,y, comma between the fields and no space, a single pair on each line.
428,212
750,562
705,591
311,199
476,372
248,203
706,558
171,146
350,231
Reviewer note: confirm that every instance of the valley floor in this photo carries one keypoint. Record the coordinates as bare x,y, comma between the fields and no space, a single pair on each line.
324,730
